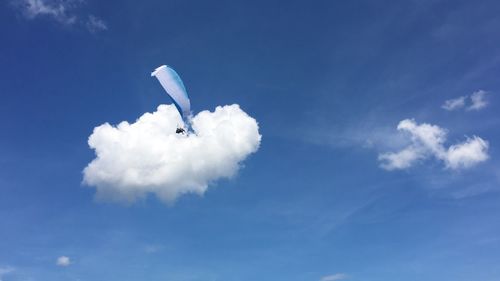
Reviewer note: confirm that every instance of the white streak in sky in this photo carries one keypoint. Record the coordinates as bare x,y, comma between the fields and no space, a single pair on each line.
334,277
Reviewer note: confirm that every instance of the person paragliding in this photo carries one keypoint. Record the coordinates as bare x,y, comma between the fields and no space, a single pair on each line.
172,83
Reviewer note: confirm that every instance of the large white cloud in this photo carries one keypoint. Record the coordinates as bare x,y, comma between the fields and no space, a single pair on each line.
429,141
148,157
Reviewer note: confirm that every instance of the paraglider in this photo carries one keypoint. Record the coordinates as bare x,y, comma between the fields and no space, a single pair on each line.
172,83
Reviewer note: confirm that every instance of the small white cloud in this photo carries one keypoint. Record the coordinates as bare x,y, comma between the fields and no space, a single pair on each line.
95,24
63,261
477,102
454,104
478,99
5,270
334,277
148,157
428,141
400,160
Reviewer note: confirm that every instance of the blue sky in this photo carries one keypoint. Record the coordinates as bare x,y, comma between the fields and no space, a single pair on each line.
328,82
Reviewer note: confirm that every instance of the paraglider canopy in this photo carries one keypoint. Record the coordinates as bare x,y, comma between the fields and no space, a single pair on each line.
172,83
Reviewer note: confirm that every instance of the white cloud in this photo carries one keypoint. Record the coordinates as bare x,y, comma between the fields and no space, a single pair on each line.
454,104
467,154
428,141
334,277
63,261
62,11
478,99
95,24
5,270
400,160
429,136
148,157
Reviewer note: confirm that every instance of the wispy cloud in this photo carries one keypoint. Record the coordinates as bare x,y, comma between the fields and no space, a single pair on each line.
334,277
478,99
477,102
474,190
95,24
65,12
454,104
5,270
152,248
428,141
60,11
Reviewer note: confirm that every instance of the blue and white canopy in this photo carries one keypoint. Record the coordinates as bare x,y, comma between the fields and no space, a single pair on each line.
172,83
